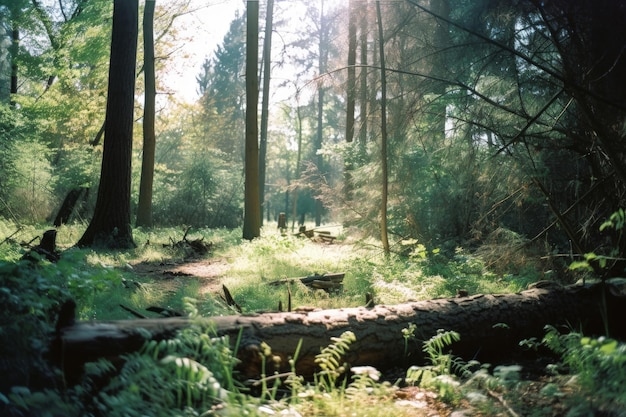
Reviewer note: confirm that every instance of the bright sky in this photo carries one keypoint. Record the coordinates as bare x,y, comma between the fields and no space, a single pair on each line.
202,31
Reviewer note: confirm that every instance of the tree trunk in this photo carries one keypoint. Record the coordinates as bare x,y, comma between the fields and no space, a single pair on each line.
322,64
351,88
491,327
110,225
383,134
15,44
294,205
144,206
363,82
252,208
69,203
267,66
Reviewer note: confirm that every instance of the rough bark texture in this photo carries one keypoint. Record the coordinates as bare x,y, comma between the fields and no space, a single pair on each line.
144,205
265,103
491,327
252,208
351,87
110,225
384,194
69,203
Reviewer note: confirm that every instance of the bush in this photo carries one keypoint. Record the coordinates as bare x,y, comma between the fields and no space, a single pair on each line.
599,365
31,296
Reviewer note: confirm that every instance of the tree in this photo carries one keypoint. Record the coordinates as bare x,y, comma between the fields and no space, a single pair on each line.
223,92
252,208
351,87
323,51
110,224
267,60
144,207
383,133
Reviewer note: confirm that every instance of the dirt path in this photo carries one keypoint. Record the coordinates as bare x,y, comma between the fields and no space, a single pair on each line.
208,272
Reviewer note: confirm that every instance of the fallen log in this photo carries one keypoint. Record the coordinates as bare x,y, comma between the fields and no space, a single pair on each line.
328,282
491,326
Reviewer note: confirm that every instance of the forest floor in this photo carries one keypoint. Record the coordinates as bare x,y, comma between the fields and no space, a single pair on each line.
532,393
208,272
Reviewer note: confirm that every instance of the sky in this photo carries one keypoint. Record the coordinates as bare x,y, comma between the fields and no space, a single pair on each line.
201,32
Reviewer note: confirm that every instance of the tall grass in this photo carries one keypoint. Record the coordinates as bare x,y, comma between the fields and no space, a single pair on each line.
97,277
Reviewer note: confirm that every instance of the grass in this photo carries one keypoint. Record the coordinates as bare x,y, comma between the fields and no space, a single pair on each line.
96,280
96,276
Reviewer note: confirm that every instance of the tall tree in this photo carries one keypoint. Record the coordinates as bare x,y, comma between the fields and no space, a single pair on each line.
144,207
252,208
223,92
323,51
363,98
110,225
267,61
383,133
351,87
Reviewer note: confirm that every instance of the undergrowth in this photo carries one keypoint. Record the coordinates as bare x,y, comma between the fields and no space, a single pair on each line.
195,373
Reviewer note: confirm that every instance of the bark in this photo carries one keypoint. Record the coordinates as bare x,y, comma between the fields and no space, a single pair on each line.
68,205
110,225
15,44
322,64
252,208
267,65
46,247
383,134
351,88
144,206
363,82
491,327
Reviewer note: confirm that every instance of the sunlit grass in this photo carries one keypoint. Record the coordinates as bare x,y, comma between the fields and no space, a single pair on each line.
253,266
334,405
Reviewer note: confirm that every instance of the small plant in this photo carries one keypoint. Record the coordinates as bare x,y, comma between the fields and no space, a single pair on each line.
329,361
439,374
599,364
408,333
365,381
435,346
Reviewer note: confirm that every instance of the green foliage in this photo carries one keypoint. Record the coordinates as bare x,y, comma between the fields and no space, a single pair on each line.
598,263
198,197
26,172
329,361
31,296
599,365
440,373
192,371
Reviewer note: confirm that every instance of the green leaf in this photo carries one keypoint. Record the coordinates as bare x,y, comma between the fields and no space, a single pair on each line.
609,347
580,265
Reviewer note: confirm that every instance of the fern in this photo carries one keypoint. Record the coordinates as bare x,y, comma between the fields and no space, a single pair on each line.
330,359
439,374
435,346
599,363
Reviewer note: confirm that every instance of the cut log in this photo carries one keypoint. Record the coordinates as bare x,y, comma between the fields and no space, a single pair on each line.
491,327
328,282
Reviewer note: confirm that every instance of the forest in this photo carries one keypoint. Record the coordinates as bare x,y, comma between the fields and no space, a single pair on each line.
357,207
